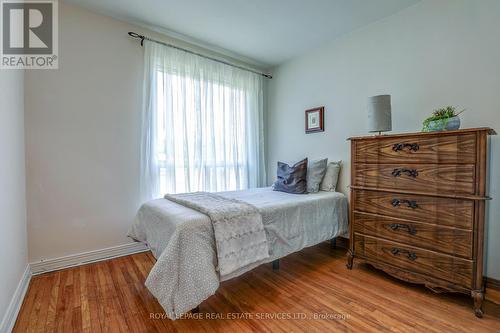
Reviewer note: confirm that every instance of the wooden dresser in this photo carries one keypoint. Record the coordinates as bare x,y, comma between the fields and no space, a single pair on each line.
418,205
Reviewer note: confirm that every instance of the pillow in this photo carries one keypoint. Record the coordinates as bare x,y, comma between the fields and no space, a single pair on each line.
292,179
315,173
329,182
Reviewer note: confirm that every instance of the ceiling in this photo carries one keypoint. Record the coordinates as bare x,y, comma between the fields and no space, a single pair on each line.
267,31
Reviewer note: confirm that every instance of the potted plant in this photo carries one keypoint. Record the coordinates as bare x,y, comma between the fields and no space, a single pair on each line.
443,119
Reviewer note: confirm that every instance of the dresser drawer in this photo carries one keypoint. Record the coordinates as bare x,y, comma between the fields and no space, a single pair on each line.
415,259
442,211
433,149
424,178
433,237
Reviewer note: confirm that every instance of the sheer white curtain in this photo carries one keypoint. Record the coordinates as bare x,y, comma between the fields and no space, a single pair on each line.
202,125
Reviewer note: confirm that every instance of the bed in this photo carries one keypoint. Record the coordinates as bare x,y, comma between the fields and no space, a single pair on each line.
182,239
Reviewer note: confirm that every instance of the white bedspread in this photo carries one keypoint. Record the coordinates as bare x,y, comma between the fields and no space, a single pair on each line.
183,242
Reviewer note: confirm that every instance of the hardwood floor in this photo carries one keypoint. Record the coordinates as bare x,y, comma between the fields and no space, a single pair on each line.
110,296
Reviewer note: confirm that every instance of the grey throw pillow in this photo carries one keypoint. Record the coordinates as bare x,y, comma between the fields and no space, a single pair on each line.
315,173
292,179
329,182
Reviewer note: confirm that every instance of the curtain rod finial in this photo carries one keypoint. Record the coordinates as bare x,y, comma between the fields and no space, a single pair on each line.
136,35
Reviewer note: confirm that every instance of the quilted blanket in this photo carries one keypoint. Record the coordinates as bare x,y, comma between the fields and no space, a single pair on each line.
240,237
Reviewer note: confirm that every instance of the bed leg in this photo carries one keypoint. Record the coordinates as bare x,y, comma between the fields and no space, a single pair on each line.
333,243
276,265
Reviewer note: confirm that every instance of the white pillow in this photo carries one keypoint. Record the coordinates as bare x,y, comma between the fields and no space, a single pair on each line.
329,182
315,173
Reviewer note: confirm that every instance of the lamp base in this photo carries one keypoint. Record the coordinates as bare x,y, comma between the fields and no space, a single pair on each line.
379,133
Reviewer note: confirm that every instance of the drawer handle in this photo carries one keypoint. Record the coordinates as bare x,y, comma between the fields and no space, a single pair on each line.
410,146
396,226
411,203
411,255
409,172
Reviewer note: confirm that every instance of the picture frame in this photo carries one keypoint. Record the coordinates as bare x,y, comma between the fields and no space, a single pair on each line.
315,120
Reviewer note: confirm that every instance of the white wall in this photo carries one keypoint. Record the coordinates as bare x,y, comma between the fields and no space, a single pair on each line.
433,54
83,136
13,248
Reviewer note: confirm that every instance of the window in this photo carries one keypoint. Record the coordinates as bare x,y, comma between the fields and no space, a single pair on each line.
207,148
202,125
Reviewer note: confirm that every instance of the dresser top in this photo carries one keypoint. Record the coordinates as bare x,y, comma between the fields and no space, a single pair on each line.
436,133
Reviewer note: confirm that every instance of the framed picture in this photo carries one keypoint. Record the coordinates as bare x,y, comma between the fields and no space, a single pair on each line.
315,120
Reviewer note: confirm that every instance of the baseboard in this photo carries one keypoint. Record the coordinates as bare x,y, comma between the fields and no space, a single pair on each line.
78,259
10,316
492,293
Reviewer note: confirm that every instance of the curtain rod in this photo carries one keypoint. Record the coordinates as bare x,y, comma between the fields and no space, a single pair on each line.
142,38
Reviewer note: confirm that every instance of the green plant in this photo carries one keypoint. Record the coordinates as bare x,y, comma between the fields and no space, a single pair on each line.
442,115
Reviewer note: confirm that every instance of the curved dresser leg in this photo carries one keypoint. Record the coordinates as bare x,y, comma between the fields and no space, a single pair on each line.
478,297
350,259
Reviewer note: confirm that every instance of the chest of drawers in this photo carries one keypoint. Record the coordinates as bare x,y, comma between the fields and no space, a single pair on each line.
418,205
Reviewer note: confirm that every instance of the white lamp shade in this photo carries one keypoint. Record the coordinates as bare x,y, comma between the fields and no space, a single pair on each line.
379,113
